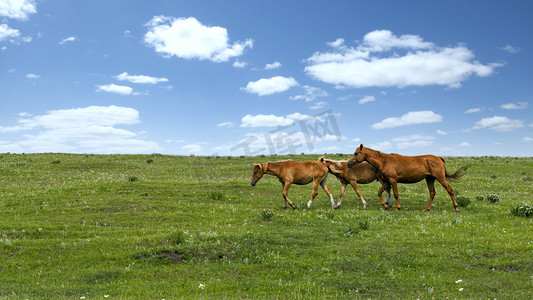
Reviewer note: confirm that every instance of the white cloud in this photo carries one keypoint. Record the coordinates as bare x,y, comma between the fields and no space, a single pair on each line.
273,120
527,139
414,117
17,9
273,66
472,110
113,88
192,148
32,76
498,123
382,146
189,39
141,79
66,40
415,140
518,105
441,132
422,63
8,33
511,49
311,93
265,121
318,105
239,64
83,130
465,144
367,99
225,124
276,84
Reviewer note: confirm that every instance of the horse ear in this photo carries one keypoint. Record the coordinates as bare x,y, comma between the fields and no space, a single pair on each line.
361,147
321,159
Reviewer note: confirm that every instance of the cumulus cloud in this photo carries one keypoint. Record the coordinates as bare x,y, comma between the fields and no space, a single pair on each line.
268,86
17,9
410,118
265,121
261,120
273,66
8,33
32,76
189,39
82,130
518,105
141,79
499,123
113,88
386,60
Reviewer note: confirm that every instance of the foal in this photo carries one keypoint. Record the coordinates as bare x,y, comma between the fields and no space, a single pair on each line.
396,168
361,173
301,173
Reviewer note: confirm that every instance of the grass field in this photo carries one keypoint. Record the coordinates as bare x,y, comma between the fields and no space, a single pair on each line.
154,226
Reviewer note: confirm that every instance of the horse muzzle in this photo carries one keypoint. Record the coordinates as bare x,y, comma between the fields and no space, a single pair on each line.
253,182
350,164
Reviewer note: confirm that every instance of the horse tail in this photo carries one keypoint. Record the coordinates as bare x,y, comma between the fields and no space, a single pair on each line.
458,174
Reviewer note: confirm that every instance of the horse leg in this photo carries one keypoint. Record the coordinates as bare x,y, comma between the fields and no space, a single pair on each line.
358,192
394,185
328,191
343,189
431,187
387,196
286,186
313,193
380,194
450,192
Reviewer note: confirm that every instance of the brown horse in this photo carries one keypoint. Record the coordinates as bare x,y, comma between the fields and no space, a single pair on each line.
396,168
289,172
361,173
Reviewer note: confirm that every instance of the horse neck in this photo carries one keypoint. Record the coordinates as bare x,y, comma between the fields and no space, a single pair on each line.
375,158
271,168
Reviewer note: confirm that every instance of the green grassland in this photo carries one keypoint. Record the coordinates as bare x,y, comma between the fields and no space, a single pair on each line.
155,226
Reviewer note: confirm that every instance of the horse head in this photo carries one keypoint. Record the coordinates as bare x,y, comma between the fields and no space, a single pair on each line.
259,170
334,166
357,157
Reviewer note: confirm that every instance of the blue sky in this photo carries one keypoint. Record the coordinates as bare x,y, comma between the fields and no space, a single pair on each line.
448,78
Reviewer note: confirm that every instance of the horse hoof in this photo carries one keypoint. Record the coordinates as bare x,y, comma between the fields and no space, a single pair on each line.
336,207
457,211
426,210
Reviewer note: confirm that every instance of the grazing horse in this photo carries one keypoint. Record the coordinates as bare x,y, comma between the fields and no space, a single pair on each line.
361,173
396,168
289,172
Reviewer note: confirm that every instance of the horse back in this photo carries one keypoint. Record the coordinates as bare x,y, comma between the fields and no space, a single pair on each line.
303,172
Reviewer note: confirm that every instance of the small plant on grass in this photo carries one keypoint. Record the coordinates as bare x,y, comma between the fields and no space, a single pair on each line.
56,162
363,225
527,178
349,232
177,237
266,215
133,178
492,198
218,196
480,198
149,161
523,210
463,201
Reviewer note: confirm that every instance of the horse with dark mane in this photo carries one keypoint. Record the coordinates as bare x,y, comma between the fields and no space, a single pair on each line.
396,168
362,173
297,172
